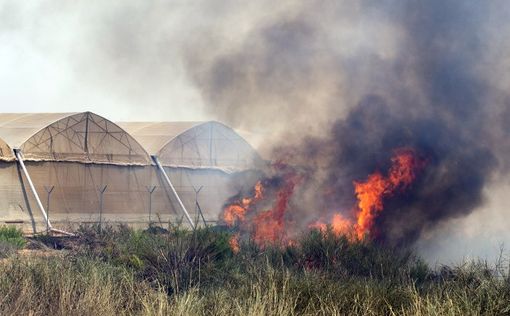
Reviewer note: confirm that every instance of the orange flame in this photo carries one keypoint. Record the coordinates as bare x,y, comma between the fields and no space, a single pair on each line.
236,212
234,243
371,193
258,191
319,225
341,225
269,225
232,213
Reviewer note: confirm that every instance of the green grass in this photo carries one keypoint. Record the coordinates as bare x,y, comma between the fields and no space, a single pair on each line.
11,239
126,272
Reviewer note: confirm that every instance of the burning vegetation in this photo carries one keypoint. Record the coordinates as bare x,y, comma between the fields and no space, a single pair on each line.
424,77
372,192
266,215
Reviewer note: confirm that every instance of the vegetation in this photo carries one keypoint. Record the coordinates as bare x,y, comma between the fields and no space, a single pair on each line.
122,271
11,239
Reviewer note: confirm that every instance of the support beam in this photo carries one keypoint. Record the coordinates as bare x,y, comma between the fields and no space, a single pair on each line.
63,232
167,179
18,154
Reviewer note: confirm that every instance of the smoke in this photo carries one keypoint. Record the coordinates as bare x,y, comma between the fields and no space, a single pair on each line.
341,86
297,71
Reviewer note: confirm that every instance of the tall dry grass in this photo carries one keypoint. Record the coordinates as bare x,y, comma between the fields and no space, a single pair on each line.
126,272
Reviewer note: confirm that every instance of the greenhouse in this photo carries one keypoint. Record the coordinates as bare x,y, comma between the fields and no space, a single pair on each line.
60,170
207,162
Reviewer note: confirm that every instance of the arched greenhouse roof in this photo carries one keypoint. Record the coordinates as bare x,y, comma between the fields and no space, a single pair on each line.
154,135
210,145
6,153
81,137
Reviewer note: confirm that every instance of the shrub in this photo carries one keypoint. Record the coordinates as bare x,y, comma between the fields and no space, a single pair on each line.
12,236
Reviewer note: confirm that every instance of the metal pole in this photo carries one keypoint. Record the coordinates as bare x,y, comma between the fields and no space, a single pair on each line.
17,152
48,189
101,190
183,208
201,214
197,205
150,189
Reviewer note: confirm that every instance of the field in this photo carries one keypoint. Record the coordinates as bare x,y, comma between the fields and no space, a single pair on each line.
119,271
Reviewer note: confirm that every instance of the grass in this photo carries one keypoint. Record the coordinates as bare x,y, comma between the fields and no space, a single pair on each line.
11,239
125,272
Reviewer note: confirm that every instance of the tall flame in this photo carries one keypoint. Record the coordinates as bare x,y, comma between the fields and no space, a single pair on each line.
270,226
370,193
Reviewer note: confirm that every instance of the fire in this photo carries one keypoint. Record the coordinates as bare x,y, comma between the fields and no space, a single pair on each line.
370,193
236,212
264,227
319,225
234,243
271,226
232,213
340,225
258,191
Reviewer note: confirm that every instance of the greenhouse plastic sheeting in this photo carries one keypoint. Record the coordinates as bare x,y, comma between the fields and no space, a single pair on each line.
194,145
82,137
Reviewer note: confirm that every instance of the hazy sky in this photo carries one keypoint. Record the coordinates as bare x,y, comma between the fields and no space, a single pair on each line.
112,58
138,60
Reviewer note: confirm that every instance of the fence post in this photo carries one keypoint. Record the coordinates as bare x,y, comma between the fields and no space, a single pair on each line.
48,189
197,205
151,190
101,190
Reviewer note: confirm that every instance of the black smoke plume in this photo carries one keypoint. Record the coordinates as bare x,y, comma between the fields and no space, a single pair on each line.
343,114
